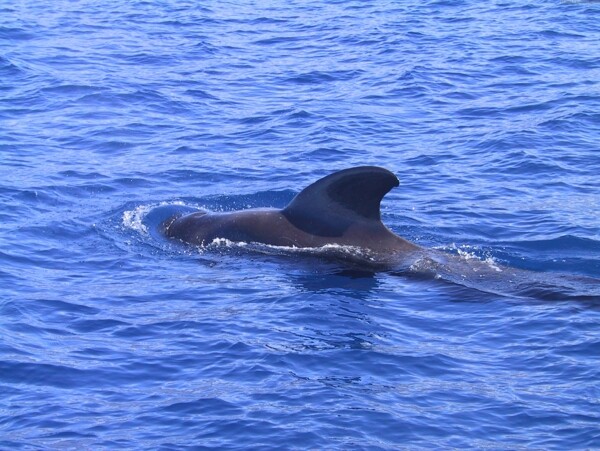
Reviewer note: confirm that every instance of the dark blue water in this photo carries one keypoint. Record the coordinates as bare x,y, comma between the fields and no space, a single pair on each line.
111,337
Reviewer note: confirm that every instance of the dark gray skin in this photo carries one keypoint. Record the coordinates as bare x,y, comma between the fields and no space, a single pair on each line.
271,226
342,208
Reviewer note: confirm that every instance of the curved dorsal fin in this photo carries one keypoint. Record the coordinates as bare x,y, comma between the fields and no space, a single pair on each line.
330,205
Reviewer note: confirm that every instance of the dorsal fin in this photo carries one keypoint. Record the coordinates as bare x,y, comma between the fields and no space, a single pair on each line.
330,205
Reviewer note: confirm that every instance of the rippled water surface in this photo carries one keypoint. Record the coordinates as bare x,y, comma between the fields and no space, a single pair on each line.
113,337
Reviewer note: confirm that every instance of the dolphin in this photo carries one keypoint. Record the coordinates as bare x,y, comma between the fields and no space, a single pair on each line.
342,208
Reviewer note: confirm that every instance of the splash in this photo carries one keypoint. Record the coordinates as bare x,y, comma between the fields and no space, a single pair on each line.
328,250
134,219
469,255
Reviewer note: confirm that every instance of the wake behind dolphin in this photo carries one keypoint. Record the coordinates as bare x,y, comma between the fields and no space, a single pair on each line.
342,211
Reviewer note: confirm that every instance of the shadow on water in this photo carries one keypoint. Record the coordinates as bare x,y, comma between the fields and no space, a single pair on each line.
352,281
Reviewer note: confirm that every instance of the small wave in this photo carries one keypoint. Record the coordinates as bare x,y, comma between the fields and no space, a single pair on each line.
319,77
8,68
16,34
278,40
569,242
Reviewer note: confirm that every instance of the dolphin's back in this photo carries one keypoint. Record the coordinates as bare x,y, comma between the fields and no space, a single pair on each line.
341,208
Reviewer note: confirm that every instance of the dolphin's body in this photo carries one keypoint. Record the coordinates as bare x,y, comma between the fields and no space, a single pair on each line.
342,208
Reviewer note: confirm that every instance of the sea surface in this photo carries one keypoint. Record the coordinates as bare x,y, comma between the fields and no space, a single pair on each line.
113,337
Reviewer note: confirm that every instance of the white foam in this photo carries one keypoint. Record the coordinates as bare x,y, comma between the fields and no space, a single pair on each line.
133,219
226,243
466,252
343,250
493,264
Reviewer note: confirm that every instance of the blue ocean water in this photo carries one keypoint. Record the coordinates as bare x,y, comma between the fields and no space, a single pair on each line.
111,337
